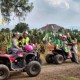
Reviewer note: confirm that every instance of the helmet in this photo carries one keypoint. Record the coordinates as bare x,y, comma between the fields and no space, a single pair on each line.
28,48
64,36
16,34
68,33
59,34
25,32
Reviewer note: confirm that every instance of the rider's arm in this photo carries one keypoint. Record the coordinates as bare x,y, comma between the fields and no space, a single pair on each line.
16,44
74,41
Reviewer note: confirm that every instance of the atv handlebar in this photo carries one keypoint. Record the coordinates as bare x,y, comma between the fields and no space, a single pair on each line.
70,44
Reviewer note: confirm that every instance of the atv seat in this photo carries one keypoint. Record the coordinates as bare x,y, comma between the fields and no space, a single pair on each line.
11,51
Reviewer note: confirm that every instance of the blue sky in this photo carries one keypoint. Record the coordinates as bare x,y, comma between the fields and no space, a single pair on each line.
65,13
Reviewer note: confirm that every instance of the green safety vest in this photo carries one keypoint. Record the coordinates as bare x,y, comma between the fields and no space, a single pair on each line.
26,41
64,47
57,41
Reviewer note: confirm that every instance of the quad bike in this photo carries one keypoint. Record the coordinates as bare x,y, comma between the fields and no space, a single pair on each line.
59,56
33,54
19,61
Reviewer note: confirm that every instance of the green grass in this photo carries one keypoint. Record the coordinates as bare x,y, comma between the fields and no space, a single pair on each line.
71,78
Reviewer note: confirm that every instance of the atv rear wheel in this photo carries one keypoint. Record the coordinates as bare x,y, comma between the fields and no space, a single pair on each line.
4,72
49,58
58,59
33,68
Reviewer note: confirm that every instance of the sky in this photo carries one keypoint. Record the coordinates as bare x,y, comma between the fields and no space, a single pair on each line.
65,13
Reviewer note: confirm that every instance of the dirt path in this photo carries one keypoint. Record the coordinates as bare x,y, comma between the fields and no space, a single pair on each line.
53,72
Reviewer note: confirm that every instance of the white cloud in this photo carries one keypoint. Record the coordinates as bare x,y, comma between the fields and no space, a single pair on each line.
59,3
66,4
75,6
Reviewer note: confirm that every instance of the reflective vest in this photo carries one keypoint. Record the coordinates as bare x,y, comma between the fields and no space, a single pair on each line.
66,49
26,41
58,43
20,44
64,46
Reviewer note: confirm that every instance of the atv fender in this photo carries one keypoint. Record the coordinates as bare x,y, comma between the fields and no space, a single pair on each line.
5,61
29,57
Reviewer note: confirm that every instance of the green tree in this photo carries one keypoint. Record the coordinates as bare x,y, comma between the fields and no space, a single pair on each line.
75,30
61,30
20,27
18,7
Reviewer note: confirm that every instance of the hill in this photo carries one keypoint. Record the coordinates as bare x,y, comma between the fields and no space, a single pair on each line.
51,27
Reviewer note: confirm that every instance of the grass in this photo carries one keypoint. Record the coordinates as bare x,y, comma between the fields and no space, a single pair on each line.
70,78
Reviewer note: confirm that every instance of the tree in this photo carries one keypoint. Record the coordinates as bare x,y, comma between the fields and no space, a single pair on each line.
75,30
20,27
61,30
18,7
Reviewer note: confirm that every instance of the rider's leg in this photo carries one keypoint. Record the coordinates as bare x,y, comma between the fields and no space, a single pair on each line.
69,48
75,49
76,54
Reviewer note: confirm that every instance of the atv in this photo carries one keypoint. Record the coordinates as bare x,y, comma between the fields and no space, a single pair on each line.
30,55
18,61
58,56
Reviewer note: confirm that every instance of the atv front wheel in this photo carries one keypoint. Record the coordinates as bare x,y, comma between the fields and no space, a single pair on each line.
33,68
35,58
4,72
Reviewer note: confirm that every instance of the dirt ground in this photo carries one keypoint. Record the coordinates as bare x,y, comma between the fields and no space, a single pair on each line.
65,71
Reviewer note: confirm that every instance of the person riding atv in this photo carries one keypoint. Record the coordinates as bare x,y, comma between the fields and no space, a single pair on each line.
61,53
72,45
26,38
58,41
17,45
15,38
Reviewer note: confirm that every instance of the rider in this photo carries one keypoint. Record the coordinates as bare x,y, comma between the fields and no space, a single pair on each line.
65,46
15,38
69,40
58,41
74,41
26,39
